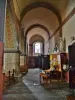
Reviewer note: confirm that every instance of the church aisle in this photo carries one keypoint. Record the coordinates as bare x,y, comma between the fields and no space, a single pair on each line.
30,89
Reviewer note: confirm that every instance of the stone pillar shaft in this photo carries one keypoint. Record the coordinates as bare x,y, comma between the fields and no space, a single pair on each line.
23,63
2,17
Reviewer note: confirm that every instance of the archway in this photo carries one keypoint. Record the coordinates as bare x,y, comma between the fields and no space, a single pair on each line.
41,4
33,27
33,40
46,5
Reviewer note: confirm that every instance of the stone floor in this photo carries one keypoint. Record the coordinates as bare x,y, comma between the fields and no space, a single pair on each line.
29,88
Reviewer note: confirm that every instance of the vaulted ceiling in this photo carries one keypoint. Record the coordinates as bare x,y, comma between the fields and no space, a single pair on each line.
59,4
44,12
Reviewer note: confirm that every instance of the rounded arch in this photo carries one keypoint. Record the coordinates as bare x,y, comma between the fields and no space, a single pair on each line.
36,38
44,5
34,26
72,42
41,4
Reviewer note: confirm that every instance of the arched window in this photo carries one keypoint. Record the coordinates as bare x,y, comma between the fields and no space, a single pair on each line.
37,48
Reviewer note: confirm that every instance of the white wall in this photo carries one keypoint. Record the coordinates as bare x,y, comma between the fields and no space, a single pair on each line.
17,12
69,27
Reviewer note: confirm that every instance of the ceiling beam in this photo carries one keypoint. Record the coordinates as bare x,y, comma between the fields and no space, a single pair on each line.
70,15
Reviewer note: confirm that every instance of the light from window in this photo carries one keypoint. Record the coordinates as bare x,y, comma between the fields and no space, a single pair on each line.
37,48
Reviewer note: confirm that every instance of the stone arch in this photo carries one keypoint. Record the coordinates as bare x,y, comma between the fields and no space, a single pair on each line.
33,39
34,26
36,38
44,5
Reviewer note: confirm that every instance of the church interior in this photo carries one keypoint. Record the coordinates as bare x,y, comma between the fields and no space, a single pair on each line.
37,50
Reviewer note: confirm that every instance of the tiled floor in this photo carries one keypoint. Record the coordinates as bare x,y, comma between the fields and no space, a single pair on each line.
31,89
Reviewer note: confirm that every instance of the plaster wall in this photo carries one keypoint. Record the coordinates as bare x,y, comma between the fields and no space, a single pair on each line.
52,44
16,8
69,27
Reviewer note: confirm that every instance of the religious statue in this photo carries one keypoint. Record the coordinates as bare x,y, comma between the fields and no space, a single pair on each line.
56,49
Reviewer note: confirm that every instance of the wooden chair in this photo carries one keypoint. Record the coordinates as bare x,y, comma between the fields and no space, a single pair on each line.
11,76
8,79
70,98
44,77
50,74
47,77
5,81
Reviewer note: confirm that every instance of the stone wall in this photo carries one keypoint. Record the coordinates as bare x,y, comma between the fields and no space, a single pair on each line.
11,61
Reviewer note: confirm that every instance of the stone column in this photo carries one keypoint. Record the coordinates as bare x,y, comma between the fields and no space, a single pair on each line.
25,45
2,17
30,50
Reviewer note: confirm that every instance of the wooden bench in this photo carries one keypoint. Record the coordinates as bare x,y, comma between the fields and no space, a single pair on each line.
8,79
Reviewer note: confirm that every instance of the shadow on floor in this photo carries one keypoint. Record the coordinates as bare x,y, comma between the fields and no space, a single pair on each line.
18,92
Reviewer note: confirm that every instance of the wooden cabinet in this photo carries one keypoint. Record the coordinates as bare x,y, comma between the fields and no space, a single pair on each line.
43,62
